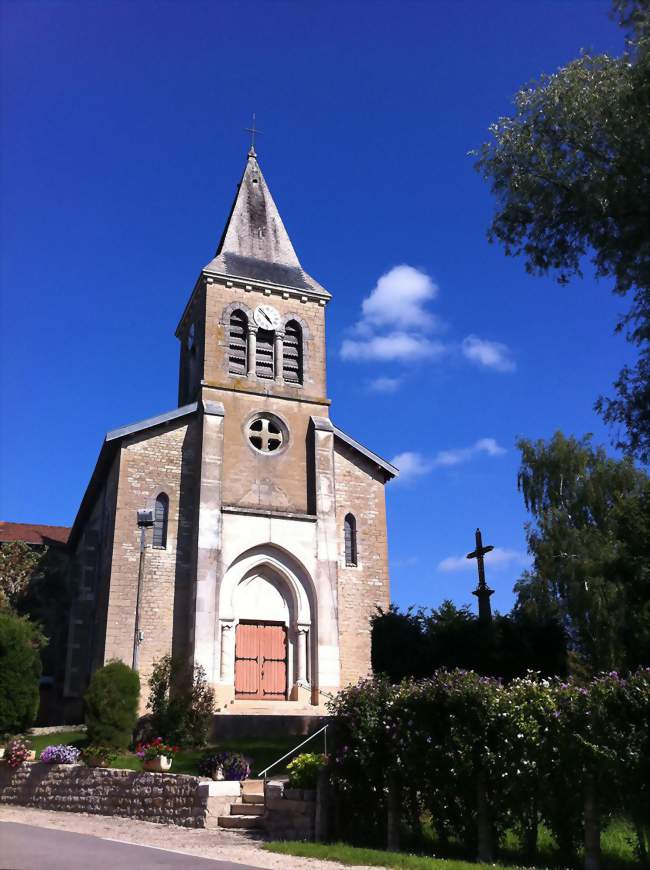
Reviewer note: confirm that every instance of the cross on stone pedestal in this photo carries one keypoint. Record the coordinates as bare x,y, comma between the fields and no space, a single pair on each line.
482,591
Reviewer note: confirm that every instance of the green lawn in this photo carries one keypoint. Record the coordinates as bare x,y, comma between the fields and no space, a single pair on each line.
617,849
263,751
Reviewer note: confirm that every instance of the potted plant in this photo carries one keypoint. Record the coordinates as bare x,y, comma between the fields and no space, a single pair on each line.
157,756
98,756
228,766
18,751
60,754
303,775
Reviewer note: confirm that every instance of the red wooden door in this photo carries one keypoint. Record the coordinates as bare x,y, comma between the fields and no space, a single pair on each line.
261,661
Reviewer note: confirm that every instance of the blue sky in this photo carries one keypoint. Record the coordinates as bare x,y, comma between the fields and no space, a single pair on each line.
122,135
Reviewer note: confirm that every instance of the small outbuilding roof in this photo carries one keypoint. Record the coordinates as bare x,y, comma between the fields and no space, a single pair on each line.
32,533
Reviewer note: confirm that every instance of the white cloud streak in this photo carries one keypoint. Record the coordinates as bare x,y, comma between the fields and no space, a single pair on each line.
399,300
385,385
412,464
399,346
498,558
489,354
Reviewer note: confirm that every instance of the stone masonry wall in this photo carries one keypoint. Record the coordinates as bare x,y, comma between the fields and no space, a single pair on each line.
164,460
363,588
73,788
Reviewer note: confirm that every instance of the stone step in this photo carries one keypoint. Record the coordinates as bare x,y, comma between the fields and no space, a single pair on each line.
246,809
240,822
252,786
248,798
272,708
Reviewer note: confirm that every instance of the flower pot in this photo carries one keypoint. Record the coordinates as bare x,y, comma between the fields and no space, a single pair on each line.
31,756
2,752
159,764
95,761
218,773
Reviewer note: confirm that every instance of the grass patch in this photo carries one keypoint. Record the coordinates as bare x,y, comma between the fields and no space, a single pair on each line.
355,856
617,843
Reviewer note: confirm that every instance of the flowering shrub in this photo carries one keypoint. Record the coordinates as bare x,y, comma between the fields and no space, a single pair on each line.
304,769
60,754
234,765
149,751
528,751
17,751
99,756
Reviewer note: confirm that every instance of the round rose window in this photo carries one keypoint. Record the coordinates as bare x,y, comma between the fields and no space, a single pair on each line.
265,434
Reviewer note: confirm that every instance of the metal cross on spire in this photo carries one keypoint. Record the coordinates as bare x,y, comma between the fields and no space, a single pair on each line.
253,131
482,591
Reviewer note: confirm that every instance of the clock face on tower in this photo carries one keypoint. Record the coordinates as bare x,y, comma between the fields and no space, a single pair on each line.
267,317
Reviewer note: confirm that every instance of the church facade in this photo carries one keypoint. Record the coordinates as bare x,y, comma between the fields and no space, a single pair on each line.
268,552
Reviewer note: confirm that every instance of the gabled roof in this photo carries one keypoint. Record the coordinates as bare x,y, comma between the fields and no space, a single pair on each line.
110,446
389,469
255,243
30,533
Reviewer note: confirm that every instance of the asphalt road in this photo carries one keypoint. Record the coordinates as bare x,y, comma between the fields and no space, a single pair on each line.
25,847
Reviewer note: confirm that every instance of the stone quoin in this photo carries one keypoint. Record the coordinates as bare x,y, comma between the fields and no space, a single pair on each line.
268,552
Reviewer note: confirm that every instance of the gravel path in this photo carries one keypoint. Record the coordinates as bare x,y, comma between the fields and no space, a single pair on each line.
221,844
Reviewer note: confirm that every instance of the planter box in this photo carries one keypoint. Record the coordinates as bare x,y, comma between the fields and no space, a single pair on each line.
159,764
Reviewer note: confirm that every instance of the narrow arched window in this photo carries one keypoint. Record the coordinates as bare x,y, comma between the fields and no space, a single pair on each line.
350,529
237,343
264,355
292,353
161,514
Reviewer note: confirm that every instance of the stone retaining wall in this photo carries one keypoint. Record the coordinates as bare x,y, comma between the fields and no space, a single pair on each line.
153,797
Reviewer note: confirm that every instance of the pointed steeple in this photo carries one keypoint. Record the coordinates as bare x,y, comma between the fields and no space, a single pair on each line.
255,243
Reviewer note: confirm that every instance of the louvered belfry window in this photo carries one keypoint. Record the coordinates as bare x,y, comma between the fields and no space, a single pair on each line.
350,528
160,521
264,361
237,343
292,353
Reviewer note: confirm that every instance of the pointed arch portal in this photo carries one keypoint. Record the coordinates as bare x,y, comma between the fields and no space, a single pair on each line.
267,636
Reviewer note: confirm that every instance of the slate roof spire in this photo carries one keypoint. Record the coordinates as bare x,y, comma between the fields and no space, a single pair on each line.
255,243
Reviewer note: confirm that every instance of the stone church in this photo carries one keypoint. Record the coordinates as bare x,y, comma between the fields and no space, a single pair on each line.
267,556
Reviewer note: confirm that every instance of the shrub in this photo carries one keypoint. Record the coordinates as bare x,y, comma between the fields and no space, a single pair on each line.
60,754
181,702
99,756
112,705
235,766
17,751
20,671
304,769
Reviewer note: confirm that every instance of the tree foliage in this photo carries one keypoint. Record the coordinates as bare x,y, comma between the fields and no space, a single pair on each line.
20,671
416,643
111,702
18,564
590,543
181,702
570,171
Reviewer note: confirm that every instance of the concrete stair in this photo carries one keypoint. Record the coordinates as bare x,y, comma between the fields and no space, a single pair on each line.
271,708
246,813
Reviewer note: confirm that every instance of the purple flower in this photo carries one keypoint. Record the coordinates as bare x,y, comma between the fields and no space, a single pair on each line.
60,754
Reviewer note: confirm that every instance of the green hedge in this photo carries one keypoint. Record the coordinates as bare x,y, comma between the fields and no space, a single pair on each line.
112,705
483,758
20,671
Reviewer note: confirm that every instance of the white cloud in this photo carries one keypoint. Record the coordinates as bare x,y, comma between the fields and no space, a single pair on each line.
488,446
394,346
411,464
399,298
491,354
385,385
498,558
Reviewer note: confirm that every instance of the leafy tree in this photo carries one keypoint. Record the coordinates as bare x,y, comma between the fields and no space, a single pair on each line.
590,544
181,702
570,170
20,671
18,564
111,703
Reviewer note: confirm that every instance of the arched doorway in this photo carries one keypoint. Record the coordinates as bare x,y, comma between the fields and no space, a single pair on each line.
268,637
261,638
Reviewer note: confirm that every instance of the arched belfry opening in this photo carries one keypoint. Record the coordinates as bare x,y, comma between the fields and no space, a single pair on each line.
267,628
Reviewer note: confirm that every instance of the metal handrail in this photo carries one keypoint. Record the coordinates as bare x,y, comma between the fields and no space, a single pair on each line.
291,751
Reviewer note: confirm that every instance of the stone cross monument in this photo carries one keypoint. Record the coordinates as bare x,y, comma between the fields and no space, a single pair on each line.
482,591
